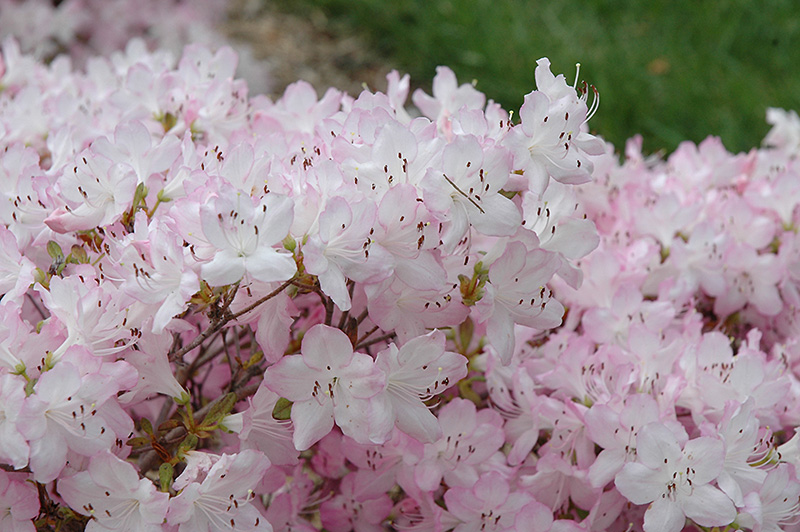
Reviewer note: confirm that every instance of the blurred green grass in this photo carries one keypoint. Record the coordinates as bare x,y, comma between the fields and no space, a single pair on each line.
671,70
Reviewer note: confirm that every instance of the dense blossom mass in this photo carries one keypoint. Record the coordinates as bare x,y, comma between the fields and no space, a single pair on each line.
226,313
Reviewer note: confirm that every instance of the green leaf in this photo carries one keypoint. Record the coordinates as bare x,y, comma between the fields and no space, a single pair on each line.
254,359
465,332
169,425
29,387
189,443
282,410
165,473
138,441
54,250
78,255
146,426
140,195
184,399
39,276
219,410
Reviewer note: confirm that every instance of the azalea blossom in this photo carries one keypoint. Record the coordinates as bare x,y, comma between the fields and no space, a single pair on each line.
416,372
245,235
223,500
327,383
676,480
112,494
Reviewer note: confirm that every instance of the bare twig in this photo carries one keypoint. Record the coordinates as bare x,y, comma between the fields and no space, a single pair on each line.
362,344
149,459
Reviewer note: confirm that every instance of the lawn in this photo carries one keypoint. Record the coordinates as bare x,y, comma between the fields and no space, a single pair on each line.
668,70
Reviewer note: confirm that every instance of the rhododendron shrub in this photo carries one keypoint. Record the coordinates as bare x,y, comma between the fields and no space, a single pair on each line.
223,312
81,29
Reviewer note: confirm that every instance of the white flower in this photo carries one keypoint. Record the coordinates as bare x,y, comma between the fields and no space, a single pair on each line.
222,501
676,482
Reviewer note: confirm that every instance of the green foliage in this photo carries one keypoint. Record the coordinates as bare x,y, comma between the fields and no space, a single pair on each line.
669,70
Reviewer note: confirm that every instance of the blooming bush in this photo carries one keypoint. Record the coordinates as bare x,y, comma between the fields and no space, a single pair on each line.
222,312
82,29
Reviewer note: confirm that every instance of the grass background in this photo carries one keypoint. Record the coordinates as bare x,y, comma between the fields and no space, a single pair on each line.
671,70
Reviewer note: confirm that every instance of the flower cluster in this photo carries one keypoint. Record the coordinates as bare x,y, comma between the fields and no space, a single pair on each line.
82,29
226,313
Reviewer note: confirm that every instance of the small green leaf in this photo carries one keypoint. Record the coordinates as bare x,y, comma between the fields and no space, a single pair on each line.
138,441
219,410
78,255
168,120
254,359
282,410
465,332
165,473
54,250
290,243
169,425
146,426
184,399
139,195
189,443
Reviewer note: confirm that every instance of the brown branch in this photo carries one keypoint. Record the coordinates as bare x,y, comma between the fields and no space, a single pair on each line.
387,336
217,325
149,459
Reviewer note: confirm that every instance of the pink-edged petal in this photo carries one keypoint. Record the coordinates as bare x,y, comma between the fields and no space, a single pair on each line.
312,422
708,457
417,421
290,378
428,475
656,446
708,506
607,464
640,484
225,268
333,284
277,219
500,216
664,515
352,416
325,346
492,490
108,470
267,265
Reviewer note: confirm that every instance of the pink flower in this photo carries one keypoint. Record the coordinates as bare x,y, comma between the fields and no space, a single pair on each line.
134,147
343,249
616,433
551,140
361,505
491,506
448,97
259,430
111,492
775,505
165,279
676,481
518,294
416,372
98,191
13,445
327,382
469,438
65,413
244,231
222,502
19,503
